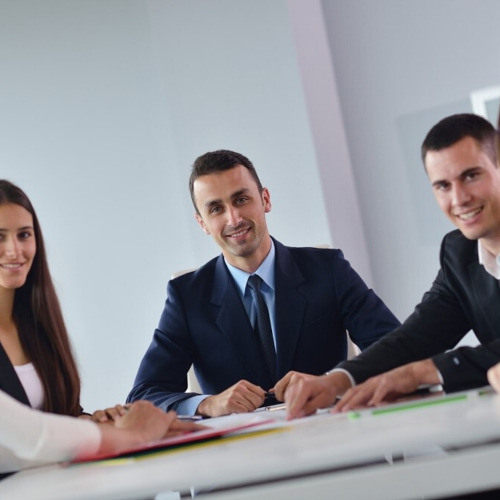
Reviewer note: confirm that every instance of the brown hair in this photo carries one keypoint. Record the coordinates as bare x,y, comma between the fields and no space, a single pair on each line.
219,161
40,322
454,128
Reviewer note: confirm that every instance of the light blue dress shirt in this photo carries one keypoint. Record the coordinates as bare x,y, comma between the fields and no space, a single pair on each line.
266,273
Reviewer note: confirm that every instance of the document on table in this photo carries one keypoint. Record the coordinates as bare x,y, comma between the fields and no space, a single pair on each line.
215,428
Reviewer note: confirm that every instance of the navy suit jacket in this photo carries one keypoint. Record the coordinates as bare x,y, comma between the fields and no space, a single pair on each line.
318,298
463,297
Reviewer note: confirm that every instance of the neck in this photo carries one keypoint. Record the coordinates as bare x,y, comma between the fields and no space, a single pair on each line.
6,306
250,263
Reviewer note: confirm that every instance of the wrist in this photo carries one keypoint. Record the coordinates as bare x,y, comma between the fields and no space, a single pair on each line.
340,380
426,372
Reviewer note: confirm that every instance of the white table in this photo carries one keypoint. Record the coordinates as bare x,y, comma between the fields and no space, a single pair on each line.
450,449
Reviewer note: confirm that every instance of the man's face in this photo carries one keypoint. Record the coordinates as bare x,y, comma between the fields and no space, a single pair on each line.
232,210
466,185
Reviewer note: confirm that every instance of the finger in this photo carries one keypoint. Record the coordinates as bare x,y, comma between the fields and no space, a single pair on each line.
254,389
351,399
494,377
249,397
121,409
99,416
360,399
241,405
281,386
296,398
311,406
113,414
183,426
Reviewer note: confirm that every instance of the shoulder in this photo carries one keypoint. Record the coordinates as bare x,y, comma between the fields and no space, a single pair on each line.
457,250
312,253
310,262
197,277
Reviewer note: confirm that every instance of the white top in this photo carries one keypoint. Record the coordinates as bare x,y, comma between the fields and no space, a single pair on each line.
30,437
490,261
31,383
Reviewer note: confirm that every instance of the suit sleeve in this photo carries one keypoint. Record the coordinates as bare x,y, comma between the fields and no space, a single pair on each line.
466,367
162,374
436,325
364,314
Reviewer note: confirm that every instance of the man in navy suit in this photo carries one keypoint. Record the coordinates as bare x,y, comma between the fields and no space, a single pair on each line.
461,161
313,298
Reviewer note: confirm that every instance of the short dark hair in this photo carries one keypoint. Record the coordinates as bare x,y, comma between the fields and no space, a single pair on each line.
219,161
454,128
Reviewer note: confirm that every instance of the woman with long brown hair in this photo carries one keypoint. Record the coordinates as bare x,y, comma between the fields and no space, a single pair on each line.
36,363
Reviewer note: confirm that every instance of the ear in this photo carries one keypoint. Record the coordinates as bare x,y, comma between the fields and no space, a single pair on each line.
201,223
266,200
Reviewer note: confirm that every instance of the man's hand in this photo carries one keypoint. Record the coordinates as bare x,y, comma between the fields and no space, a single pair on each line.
242,397
291,378
494,377
304,394
390,385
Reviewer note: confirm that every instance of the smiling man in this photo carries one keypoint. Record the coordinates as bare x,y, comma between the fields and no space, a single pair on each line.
460,158
257,311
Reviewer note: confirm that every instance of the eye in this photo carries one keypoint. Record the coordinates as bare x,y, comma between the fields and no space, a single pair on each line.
24,235
241,200
471,175
441,186
215,209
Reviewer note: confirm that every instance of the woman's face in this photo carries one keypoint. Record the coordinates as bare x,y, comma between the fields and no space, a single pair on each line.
17,245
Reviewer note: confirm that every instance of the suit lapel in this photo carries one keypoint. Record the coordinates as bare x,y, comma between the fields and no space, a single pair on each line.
9,381
290,308
234,324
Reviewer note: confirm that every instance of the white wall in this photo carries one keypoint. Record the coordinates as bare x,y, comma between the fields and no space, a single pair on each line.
401,66
104,106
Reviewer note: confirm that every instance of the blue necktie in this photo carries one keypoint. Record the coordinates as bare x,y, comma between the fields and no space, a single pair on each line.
263,325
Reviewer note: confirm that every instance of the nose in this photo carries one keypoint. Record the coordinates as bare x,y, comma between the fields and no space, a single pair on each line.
459,196
233,216
11,248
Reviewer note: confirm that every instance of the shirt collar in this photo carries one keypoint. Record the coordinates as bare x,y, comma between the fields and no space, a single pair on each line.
490,261
265,271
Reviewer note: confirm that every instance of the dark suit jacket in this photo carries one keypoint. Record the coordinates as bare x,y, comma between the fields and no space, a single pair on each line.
318,297
463,297
9,381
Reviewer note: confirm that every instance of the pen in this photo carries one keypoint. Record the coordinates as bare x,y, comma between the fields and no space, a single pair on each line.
276,407
189,418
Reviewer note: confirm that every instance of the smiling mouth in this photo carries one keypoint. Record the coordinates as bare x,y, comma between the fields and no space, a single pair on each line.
11,266
469,215
239,234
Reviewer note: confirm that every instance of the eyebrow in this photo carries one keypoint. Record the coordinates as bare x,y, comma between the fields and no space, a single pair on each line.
211,203
18,229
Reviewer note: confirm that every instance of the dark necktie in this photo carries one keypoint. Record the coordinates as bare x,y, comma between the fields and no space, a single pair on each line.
263,325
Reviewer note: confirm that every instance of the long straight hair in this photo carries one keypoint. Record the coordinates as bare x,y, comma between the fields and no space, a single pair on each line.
39,320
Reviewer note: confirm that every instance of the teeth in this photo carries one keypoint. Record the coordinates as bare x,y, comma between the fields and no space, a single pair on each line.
11,266
469,215
236,235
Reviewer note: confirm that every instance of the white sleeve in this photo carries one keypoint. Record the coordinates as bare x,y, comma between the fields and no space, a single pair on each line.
29,437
